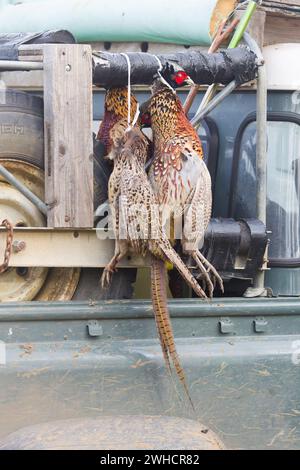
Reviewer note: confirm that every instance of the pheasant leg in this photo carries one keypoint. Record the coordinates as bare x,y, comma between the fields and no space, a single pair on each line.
121,250
211,269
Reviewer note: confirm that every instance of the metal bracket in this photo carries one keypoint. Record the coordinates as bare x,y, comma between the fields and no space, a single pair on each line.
94,328
227,326
255,292
260,325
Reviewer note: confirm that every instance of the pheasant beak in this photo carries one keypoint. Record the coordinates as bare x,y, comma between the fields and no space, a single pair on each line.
189,81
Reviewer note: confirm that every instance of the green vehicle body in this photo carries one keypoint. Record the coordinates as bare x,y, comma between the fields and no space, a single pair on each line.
241,356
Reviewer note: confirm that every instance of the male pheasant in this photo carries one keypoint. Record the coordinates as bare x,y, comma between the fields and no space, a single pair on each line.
178,175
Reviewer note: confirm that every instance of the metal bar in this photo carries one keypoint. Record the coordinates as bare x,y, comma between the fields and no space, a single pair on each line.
65,248
213,103
25,191
15,66
184,308
261,150
261,160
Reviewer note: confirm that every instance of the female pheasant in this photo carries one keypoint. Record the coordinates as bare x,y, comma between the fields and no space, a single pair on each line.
178,175
138,230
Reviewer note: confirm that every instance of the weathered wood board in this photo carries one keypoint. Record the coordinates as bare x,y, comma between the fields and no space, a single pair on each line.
68,135
68,118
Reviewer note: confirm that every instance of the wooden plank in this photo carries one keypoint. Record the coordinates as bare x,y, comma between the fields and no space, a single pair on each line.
23,80
288,3
68,135
31,52
282,8
281,30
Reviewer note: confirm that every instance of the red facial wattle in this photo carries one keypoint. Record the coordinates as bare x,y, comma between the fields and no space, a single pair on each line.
146,120
180,77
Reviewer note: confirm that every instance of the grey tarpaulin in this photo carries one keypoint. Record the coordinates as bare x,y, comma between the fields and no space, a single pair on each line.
9,43
238,64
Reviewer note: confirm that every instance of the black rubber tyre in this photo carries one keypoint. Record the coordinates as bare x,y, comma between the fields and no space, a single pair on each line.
22,127
22,138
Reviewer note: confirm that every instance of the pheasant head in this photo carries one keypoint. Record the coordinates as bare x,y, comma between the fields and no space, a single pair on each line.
116,109
173,75
164,111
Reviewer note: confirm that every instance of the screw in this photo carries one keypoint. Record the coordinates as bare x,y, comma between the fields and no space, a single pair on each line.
19,245
68,68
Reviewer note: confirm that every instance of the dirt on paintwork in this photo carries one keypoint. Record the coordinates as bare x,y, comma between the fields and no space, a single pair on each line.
84,350
27,349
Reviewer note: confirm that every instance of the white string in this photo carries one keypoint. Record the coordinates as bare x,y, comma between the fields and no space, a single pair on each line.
128,88
137,114
160,67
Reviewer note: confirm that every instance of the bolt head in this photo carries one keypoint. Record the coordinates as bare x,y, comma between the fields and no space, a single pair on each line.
18,245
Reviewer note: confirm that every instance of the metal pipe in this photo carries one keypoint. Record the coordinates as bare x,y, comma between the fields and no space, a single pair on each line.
213,103
25,191
261,161
15,66
261,149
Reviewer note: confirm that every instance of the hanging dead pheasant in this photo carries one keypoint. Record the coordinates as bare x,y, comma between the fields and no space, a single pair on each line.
137,230
178,175
115,110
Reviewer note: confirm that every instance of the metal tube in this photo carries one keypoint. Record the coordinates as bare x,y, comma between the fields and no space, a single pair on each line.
261,160
15,66
213,103
261,150
25,191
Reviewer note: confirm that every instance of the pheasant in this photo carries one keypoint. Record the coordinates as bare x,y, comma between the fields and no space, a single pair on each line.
178,175
138,230
115,110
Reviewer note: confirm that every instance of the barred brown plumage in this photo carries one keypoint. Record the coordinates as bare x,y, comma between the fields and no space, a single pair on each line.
115,110
179,176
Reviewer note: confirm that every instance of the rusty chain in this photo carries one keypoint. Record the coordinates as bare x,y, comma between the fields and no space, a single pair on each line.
9,245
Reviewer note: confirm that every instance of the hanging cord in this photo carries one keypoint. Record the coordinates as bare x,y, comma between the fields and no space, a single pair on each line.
136,116
9,244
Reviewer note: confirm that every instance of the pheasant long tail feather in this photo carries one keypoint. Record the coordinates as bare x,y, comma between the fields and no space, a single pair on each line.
173,257
163,321
159,302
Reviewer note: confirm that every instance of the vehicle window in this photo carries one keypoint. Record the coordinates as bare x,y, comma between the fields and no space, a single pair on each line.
283,191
